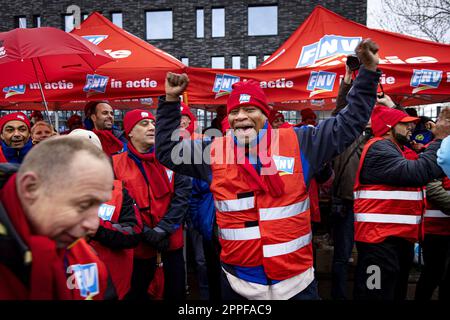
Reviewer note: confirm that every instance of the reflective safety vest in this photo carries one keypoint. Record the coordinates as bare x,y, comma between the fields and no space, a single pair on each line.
87,275
255,228
118,261
382,211
152,209
437,222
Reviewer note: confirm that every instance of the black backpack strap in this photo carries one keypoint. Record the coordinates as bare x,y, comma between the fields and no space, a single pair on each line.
14,254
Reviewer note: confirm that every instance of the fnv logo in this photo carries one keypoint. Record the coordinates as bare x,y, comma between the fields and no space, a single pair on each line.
106,211
223,84
84,277
95,39
13,90
328,47
284,164
96,83
244,98
2,50
424,79
321,81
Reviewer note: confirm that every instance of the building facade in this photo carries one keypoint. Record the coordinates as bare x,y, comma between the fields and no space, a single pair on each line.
221,33
218,34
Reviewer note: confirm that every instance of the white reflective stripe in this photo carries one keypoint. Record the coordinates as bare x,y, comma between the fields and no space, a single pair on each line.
240,234
235,204
283,212
273,250
388,195
435,214
387,218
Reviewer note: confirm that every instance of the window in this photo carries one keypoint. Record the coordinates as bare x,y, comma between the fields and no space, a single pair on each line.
236,62
159,25
200,23
69,23
252,62
218,62
263,21
218,22
37,21
116,18
185,61
21,22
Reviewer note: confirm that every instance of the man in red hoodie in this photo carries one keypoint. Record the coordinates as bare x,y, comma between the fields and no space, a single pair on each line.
45,211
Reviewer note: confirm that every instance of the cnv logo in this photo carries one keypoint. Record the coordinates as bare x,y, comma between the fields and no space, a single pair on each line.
329,46
425,79
96,39
320,81
223,84
84,277
13,90
284,164
95,83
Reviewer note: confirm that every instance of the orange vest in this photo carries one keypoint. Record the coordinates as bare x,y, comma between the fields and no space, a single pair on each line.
254,227
436,222
382,211
87,275
152,209
119,262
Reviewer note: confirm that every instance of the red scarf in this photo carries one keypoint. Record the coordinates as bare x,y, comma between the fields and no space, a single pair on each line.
271,183
110,143
48,279
155,171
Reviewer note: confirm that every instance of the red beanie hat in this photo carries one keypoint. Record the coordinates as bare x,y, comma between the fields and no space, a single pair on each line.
384,118
275,115
37,114
133,117
308,113
17,116
247,93
74,119
186,111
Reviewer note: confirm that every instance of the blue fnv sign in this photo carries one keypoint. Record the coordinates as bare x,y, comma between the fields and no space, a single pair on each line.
328,46
425,79
320,81
284,164
223,84
13,90
96,83
86,276
95,39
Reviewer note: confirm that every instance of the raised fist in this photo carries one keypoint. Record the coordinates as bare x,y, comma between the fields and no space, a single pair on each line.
367,52
175,85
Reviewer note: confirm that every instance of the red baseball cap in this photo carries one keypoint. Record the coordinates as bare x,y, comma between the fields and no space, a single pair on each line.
384,118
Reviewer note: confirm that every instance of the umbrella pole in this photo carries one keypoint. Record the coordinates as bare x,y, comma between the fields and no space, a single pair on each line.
42,94
45,103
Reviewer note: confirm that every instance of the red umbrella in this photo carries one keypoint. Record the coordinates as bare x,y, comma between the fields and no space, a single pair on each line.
44,55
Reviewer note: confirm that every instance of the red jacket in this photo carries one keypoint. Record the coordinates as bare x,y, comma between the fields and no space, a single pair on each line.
152,209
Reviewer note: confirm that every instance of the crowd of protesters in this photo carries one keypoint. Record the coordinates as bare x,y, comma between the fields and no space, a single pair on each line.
100,213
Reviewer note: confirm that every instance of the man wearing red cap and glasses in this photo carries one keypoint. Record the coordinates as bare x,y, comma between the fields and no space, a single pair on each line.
389,204
162,198
259,179
15,137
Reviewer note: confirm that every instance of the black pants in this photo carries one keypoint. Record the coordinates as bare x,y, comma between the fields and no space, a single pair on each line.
386,263
436,269
174,275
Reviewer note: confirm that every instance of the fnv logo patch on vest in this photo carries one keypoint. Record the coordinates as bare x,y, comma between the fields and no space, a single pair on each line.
284,164
106,211
84,278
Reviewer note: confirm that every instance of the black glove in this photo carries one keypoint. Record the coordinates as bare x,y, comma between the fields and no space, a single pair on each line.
157,238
